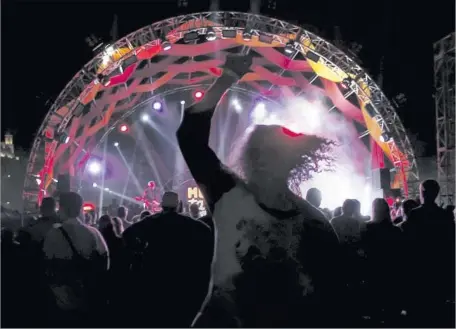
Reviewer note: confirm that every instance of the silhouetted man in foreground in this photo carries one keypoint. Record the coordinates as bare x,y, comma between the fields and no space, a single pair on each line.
429,233
172,278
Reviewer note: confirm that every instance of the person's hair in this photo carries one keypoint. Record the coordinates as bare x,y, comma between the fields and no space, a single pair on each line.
194,210
144,214
381,211
122,212
337,212
408,205
47,207
70,204
313,196
430,190
357,207
348,207
104,222
117,226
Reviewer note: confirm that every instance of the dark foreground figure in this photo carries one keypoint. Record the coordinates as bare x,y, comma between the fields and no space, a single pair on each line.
276,254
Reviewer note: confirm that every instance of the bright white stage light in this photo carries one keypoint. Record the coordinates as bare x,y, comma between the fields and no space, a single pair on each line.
259,113
145,117
237,106
38,181
182,102
94,167
94,184
106,189
116,144
157,106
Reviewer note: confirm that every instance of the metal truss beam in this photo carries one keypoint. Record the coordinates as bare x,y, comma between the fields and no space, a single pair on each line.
174,28
444,75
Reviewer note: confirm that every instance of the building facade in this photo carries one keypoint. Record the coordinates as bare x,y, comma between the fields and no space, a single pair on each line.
13,164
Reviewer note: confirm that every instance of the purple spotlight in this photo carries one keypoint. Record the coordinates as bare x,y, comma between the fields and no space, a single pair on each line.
157,106
94,167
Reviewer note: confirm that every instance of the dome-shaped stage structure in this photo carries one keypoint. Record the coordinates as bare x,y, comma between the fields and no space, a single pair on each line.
186,53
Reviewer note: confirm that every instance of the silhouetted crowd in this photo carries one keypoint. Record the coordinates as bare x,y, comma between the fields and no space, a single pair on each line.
60,272
265,257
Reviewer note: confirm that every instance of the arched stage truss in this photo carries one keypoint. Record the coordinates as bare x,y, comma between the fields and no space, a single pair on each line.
164,56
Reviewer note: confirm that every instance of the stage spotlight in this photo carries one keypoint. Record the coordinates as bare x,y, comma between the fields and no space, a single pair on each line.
106,189
166,45
289,48
384,138
247,35
145,117
116,144
94,167
123,128
259,113
182,102
198,95
346,83
94,184
157,106
237,106
210,34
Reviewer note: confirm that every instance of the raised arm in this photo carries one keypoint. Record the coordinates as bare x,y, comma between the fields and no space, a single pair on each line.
193,136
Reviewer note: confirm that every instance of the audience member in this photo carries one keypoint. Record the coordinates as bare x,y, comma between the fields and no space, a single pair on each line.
173,279
381,244
429,234
407,206
347,227
77,258
44,223
122,213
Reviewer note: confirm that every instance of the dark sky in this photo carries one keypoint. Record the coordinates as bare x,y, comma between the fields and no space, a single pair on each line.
43,46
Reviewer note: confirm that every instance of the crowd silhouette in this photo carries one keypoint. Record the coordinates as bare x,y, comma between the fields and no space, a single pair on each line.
262,257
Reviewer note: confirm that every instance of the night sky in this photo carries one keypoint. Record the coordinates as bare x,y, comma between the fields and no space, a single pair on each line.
43,46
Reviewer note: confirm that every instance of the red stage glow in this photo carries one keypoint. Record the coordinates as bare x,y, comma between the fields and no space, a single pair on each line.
290,133
88,207
198,95
151,185
123,128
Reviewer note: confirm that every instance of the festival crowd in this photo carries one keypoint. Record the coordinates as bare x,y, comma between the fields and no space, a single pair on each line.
262,257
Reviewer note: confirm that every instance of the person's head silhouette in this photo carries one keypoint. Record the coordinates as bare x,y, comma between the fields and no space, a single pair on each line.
70,205
47,208
357,208
348,208
194,211
170,202
407,206
144,214
122,212
381,211
337,212
429,190
313,196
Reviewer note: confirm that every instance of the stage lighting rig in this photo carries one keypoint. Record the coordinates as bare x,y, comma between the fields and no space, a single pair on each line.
157,106
123,128
289,48
247,34
210,34
145,117
198,95
166,45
